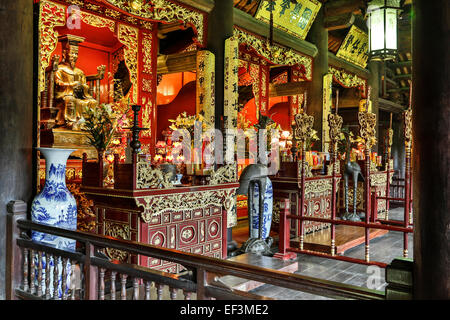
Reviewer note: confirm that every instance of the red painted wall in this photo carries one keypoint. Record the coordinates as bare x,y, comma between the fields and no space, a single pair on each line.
184,101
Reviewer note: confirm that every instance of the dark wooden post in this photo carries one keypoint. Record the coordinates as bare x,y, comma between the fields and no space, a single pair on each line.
431,152
220,27
17,122
318,35
16,210
91,275
285,232
374,84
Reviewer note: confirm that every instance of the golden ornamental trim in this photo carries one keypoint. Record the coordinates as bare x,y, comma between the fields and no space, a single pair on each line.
337,166
118,231
367,126
148,177
274,53
51,15
155,205
319,186
147,53
379,178
390,137
303,126
335,125
308,169
408,127
97,21
225,174
163,10
347,79
129,36
147,111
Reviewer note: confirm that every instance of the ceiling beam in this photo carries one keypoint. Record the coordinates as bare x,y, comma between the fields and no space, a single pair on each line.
287,89
402,76
387,105
177,62
249,23
400,64
339,22
398,89
339,7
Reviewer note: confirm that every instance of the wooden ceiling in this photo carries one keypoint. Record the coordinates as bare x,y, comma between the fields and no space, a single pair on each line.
339,16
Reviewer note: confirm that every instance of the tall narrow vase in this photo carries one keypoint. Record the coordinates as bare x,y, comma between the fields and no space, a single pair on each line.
55,206
267,215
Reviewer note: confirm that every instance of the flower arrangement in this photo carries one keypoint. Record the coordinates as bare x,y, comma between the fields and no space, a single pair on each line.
183,121
104,122
311,139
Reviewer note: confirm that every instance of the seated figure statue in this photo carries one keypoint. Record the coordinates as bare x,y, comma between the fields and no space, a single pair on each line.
71,90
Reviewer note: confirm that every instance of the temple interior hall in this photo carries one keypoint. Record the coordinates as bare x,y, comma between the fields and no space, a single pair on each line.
224,150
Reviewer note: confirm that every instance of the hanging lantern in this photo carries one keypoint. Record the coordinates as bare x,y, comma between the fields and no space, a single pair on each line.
383,15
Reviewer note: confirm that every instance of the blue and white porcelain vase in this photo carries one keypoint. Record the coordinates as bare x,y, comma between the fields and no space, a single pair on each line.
267,215
55,206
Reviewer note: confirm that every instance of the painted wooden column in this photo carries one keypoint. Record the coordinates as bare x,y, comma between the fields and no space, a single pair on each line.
374,83
17,118
431,152
318,35
220,27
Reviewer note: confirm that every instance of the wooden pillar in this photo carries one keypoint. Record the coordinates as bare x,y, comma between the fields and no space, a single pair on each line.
16,105
431,152
374,82
398,145
220,27
318,35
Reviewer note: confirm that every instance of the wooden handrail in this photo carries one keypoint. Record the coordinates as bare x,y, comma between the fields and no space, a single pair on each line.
204,267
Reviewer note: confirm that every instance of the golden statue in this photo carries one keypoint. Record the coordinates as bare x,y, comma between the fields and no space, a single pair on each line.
71,90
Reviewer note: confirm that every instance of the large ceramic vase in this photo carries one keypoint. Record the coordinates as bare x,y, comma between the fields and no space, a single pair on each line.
267,215
55,206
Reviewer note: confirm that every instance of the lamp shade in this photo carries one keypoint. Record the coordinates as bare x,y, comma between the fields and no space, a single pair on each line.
383,15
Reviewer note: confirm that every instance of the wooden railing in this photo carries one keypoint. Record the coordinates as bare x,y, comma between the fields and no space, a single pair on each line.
98,276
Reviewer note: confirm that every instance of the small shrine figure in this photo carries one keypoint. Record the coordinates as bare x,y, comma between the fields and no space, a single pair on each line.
72,92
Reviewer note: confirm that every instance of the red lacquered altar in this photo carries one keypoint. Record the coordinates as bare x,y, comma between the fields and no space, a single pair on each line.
318,192
144,206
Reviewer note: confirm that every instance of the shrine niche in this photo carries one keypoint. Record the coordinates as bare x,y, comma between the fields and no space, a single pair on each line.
261,80
114,48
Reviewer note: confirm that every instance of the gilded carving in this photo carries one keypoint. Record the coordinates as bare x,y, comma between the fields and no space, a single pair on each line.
148,177
303,126
128,36
164,10
147,85
205,91
308,169
254,75
319,185
155,205
147,53
367,127
51,15
335,125
231,83
346,79
224,174
337,166
97,21
146,117
118,231
275,53
408,129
